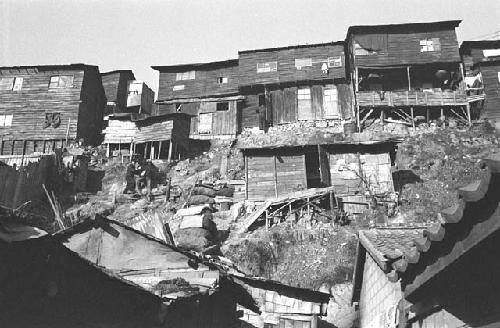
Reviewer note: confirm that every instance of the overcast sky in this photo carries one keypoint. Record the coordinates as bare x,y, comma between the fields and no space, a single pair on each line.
136,34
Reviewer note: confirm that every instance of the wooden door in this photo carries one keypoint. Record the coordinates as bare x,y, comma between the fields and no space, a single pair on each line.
324,166
304,104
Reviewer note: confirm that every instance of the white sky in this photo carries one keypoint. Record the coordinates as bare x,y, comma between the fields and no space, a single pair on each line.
136,34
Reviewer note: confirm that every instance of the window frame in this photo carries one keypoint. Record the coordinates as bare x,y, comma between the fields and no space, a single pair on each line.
59,86
306,62
223,104
304,95
6,118
185,76
430,45
267,67
335,61
13,83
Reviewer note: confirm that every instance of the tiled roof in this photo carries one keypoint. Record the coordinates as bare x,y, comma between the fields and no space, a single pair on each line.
387,245
396,249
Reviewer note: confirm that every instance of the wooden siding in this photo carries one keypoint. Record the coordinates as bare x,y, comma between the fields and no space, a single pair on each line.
224,123
160,129
80,108
120,131
490,73
411,98
285,109
403,48
203,85
115,87
287,72
272,175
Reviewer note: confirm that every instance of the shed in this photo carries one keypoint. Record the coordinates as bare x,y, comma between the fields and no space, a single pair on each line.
156,137
46,107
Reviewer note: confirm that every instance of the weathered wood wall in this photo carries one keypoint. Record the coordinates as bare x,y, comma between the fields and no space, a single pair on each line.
403,47
491,79
115,87
283,104
274,173
223,123
286,71
80,108
204,84
120,131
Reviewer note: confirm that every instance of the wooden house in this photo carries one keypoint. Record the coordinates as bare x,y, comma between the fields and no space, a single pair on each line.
208,92
351,167
155,137
482,63
440,276
295,84
115,85
124,94
45,107
407,72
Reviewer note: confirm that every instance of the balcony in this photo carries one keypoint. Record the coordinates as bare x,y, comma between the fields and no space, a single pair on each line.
410,98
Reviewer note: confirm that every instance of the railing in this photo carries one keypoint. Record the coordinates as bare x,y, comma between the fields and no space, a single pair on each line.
411,98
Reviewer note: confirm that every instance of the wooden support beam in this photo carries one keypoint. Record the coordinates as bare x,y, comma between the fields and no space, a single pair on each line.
107,150
159,149
409,79
275,177
412,118
170,150
468,114
246,177
428,114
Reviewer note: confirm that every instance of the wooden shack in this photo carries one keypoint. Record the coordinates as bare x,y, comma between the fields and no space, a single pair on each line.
208,92
482,63
115,85
351,168
45,107
406,72
279,305
440,276
155,137
293,84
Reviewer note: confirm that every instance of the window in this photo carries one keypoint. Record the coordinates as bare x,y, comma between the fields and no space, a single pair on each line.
178,87
335,61
222,80
205,124
330,102
304,94
267,67
429,45
5,120
61,81
11,83
303,62
222,106
190,75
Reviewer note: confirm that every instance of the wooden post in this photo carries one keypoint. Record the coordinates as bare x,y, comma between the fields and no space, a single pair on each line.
167,191
170,150
159,149
275,177
408,75
246,177
1,147
428,114
12,149
442,113
356,89
382,116
468,114
331,201
267,219
107,150
67,132
412,118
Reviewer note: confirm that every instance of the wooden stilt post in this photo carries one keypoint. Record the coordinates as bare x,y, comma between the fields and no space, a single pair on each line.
442,112
159,150
428,115
107,150
170,146
412,118
275,178
356,89
468,114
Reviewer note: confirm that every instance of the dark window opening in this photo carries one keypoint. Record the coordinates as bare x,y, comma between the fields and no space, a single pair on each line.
312,170
178,107
262,100
222,106
222,80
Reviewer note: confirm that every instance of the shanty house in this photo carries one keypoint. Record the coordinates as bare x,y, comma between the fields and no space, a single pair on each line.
198,293
279,305
155,137
440,276
352,167
405,72
208,92
305,83
124,94
482,63
45,107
